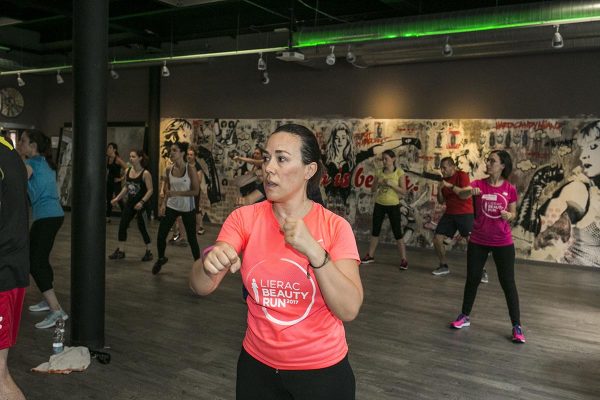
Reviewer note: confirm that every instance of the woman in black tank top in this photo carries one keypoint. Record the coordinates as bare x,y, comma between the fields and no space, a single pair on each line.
136,192
114,166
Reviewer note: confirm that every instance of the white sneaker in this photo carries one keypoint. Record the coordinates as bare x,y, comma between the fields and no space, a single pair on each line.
51,319
484,277
41,306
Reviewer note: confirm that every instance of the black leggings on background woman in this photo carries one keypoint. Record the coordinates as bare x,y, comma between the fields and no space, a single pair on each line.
41,239
189,222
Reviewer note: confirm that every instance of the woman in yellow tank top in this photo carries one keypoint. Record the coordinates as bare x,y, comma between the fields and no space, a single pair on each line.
388,186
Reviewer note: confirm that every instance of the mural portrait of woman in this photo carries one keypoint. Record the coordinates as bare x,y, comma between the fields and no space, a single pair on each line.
571,219
339,161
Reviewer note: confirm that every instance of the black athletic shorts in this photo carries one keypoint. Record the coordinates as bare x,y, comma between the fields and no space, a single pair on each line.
450,223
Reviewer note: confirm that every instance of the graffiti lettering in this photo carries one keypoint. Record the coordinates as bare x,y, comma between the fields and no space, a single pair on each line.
528,125
360,179
411,187
366,139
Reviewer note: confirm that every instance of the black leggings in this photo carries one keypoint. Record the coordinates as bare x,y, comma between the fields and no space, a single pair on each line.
112,188
189,222
504,257
257,381
393,212
126,216
41,240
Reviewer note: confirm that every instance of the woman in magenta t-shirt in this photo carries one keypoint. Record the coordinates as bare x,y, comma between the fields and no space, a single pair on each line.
300,265
495,206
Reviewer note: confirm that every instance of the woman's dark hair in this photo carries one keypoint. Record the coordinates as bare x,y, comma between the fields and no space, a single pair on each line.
506,160
310,151
182,146
114,146
592,130
143,157
447,161
43,144
390,154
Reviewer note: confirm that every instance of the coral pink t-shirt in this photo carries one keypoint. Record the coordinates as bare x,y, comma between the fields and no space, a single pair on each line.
289,324
489,229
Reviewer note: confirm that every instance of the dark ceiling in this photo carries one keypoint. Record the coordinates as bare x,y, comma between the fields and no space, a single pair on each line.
153,23
36,33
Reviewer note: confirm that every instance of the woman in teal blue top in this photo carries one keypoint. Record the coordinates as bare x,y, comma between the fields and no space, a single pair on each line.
48,217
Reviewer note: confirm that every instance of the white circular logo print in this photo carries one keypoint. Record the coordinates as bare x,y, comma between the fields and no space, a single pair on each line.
280,287
492,204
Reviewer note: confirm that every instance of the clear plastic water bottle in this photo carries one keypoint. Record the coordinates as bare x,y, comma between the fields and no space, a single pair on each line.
58,337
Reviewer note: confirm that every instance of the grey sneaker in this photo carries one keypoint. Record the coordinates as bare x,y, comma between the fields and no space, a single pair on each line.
484,277
51,319
441,270
41,306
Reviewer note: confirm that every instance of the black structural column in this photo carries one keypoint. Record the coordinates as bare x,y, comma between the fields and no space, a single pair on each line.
153,138
88,227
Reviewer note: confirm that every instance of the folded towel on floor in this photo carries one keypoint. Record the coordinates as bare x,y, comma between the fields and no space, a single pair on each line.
69,360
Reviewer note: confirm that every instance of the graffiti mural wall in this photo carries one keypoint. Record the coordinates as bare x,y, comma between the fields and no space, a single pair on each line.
557,172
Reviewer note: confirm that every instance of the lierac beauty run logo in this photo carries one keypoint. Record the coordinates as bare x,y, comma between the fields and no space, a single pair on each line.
280,287
493,203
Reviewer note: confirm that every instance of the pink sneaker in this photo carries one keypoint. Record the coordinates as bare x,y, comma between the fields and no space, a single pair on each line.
461,321
517,334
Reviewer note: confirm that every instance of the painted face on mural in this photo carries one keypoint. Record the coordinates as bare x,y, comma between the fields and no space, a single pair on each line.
285,175
590,153
341,140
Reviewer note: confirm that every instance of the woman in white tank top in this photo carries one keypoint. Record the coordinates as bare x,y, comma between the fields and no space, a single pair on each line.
181,187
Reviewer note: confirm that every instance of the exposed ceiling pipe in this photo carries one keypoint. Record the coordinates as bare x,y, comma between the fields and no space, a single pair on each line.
485,19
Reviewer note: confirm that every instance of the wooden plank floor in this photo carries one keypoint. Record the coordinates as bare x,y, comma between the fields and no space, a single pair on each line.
167,344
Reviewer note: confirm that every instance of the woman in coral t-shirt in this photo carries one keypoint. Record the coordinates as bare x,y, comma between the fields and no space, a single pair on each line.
300,265
495,206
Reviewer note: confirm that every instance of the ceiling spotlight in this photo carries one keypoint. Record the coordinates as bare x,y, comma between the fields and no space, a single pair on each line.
264,77
350,57
20,80
165,70
59,78
262,64
330,60
113,74
557,39
447,50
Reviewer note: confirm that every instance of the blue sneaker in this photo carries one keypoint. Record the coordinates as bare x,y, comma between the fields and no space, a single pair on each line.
41,306
51,319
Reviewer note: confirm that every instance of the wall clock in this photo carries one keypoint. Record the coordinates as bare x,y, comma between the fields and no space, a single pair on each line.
11,102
